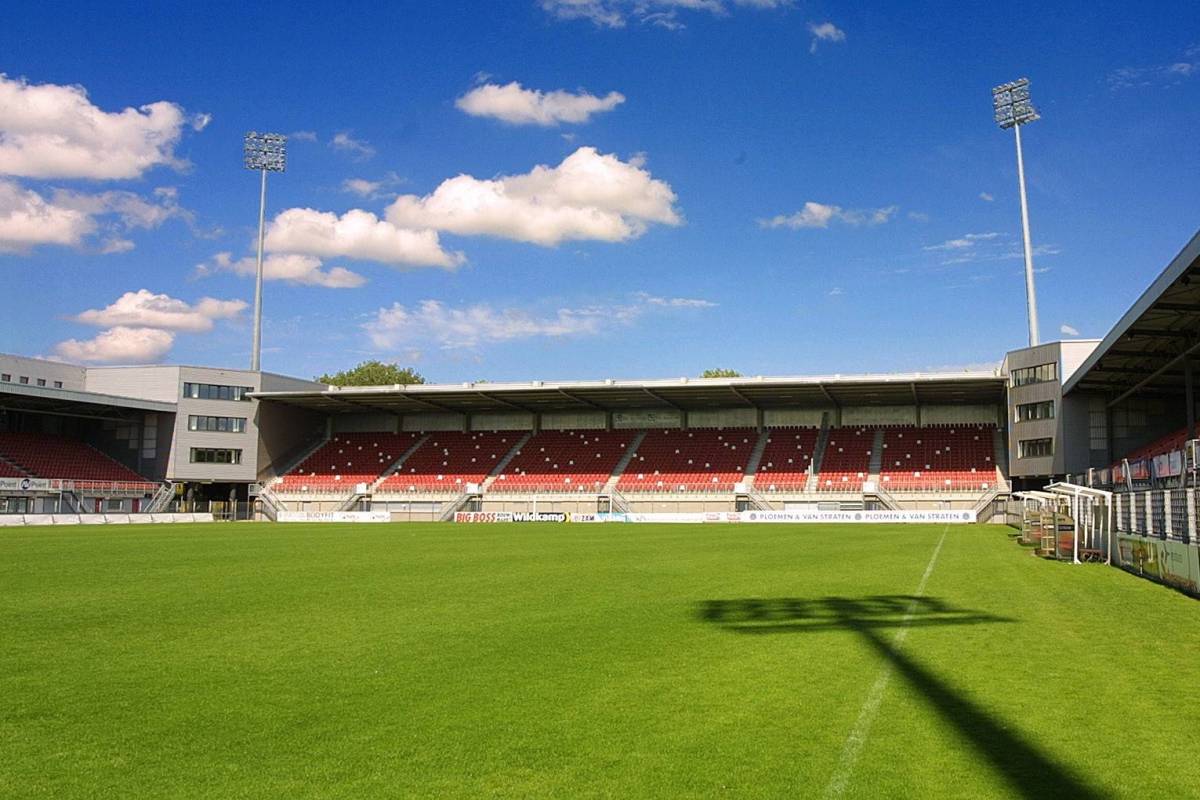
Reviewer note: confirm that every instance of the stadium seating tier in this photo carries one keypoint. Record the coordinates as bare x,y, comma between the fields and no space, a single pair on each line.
938,458
348,459
847,459
449,461
697,460
786,460
42,455
564,461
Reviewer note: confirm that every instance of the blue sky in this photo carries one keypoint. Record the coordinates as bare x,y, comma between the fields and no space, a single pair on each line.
777,187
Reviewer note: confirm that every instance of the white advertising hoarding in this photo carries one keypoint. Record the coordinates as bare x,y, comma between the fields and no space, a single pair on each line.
334,516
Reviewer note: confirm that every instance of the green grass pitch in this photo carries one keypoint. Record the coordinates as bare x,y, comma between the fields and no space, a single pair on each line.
622,661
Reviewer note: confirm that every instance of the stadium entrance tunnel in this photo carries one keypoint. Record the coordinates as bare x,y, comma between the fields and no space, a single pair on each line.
1028,771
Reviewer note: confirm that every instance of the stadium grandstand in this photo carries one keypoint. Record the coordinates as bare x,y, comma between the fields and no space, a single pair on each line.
133,440
715,444
1114,416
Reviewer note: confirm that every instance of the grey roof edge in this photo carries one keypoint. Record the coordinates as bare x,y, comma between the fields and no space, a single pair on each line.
662,383
1172,272
93,398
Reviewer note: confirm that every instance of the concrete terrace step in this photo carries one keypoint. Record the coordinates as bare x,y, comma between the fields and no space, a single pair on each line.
504,462
611,484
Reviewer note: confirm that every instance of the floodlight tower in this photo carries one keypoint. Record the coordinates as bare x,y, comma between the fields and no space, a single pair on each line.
1014,109
265,152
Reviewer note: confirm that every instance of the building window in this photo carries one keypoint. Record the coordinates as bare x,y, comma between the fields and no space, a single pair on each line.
1027,412
41,381
212,391
58,384
217,424
6,377
1042,373
213,455
1035,448
24,380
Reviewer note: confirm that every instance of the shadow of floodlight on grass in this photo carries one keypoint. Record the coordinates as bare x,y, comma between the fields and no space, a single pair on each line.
1028,771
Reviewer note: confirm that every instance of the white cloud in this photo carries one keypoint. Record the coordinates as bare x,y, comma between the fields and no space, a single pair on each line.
119,345
963,242
302,136
51,131
824,32
145,309
116,244
673,302
372,190
589,196
662,13
820,215
986,197
67,218
1157,74
836,291
200,121
517,105
918,216
1067,330
292,268
356,234
358,149
27,219
983,247
433,322
133,210
361,187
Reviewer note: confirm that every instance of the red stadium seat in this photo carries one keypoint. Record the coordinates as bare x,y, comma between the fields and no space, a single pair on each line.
347,459
564,461
1167,444
938,458
847,459
786,460
47,456
449,461
697,460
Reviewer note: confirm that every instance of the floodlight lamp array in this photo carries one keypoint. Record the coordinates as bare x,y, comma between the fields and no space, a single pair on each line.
266,151
1012,104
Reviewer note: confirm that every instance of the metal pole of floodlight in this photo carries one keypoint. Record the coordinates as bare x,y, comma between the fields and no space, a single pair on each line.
265,152
1013,109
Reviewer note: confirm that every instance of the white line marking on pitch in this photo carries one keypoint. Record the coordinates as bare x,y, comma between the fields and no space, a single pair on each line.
866,716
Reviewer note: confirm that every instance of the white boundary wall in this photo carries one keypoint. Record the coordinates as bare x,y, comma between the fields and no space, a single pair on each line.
13,520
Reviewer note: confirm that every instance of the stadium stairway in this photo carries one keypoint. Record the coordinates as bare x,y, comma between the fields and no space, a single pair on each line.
398,463
292,463
1000,456
9,469
818,454
610,485
504,462
755,459
875,465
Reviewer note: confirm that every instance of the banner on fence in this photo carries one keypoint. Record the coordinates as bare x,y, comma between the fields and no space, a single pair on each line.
1170,562
24,485
515,516
334,516
914,517
483,516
